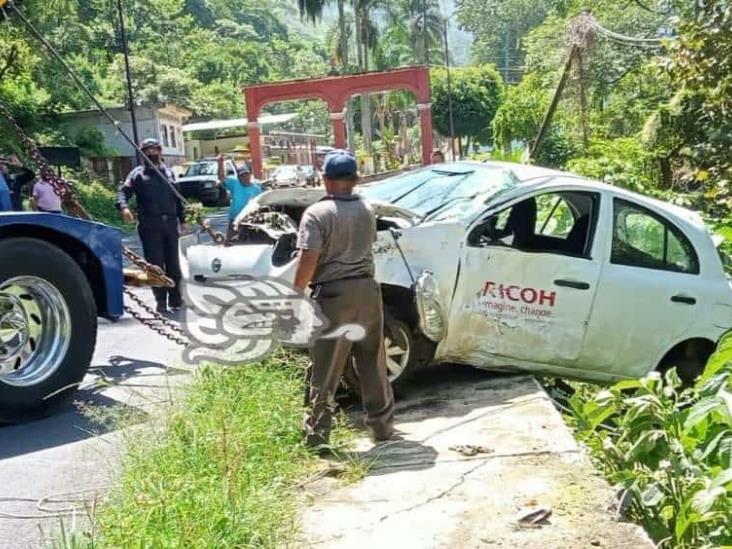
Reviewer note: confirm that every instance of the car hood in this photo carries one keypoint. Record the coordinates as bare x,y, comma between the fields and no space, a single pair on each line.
304,197
198,179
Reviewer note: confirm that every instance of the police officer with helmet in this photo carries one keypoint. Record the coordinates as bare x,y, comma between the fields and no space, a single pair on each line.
160,214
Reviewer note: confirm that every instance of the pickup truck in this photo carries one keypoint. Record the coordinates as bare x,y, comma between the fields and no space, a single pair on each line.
201,182
58,274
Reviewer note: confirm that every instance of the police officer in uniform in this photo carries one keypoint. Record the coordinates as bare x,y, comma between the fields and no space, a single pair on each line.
335,241
160,214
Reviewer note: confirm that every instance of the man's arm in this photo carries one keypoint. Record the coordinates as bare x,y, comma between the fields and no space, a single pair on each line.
310,241
306,265
124,195
222,168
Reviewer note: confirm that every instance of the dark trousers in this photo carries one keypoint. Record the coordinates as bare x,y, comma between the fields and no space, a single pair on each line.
350,302
159,236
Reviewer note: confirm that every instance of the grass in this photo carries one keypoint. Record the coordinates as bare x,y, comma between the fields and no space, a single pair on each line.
223,469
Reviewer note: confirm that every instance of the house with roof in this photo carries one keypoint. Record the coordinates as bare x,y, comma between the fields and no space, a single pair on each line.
116,156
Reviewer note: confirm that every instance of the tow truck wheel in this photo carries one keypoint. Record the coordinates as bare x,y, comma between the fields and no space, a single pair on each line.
48,328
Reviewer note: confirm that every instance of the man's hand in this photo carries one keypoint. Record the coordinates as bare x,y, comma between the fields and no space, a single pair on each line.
127,215
306,265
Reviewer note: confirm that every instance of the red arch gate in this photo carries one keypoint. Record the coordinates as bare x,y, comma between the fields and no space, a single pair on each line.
336,91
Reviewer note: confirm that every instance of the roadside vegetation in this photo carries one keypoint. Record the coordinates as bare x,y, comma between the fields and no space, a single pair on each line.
668,450
98,199
222,469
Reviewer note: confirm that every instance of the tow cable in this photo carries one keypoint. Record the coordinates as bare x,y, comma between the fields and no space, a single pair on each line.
151,275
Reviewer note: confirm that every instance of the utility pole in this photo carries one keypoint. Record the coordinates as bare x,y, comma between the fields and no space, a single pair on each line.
128,71
505,57
449,93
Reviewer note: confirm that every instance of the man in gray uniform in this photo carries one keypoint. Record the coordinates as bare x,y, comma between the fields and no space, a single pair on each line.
335,240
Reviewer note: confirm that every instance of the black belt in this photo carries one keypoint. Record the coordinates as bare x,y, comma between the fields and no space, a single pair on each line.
354,277
163,217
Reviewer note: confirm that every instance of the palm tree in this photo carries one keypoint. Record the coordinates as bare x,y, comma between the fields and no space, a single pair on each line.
419,22
313,10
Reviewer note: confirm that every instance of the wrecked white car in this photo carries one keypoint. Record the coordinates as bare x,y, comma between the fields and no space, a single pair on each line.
506,266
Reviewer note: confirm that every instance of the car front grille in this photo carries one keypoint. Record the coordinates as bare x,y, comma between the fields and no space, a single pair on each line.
190,188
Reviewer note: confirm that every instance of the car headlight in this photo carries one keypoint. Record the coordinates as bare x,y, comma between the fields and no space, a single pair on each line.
208,185
429,305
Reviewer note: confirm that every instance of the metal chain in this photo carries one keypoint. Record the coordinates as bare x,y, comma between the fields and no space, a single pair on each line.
169,330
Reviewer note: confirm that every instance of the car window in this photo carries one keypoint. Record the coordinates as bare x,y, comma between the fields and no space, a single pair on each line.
644,239
554,216
558,222
202,168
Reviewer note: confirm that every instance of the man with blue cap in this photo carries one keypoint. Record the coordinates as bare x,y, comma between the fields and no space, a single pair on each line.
336,260
241,188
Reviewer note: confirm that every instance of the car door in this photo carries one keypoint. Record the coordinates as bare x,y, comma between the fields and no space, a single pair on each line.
649,293
526,282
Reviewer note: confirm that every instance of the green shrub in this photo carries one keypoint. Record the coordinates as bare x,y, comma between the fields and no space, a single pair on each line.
668,450
622,162
99,200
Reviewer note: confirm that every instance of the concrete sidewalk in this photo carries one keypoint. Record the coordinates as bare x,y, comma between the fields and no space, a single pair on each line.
423,492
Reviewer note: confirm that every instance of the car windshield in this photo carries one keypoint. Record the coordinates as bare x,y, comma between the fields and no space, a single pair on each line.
286,171
202,168
444,191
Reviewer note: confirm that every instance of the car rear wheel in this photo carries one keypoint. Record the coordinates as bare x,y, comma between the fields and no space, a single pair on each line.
47,328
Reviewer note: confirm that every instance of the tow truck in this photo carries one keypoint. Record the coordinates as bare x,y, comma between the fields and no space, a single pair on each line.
58,275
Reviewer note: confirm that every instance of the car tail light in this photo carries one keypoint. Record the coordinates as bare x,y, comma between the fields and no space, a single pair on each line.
429,306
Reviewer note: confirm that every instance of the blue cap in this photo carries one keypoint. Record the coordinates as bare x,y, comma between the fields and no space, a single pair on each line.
243,169
340,164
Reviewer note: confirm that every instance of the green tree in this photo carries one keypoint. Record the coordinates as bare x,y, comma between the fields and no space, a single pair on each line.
701,66
477,93
499,27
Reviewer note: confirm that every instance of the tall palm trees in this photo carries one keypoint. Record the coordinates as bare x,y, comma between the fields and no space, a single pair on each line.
412,33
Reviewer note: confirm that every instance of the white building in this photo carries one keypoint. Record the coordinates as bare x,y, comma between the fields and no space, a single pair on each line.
163,122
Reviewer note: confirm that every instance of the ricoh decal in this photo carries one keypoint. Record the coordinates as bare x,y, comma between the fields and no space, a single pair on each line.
502,299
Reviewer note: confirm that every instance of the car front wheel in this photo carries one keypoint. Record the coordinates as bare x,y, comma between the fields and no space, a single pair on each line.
406,350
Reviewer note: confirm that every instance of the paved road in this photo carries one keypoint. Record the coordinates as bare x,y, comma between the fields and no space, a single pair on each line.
132,367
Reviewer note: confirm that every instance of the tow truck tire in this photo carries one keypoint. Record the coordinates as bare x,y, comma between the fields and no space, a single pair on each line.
46,298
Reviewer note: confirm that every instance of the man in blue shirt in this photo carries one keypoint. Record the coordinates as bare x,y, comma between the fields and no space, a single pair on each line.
242,189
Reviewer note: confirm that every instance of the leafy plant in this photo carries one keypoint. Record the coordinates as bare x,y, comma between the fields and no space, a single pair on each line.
623,162
667,449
